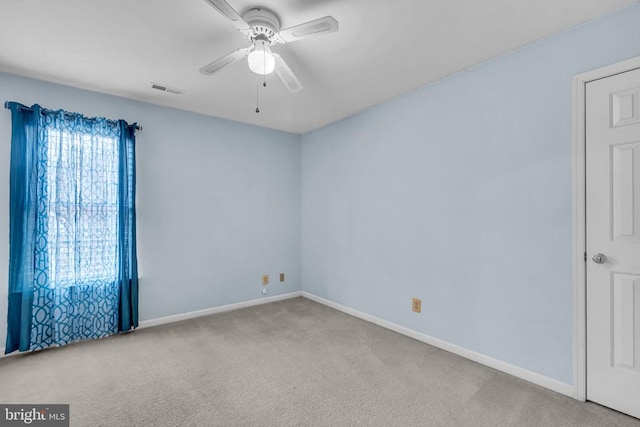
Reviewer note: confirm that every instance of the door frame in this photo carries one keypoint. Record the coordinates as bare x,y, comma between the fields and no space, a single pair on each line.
579,218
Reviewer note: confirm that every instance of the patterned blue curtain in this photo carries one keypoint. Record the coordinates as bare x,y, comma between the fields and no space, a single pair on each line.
73,267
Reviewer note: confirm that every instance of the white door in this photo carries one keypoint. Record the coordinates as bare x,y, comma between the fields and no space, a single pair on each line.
613,229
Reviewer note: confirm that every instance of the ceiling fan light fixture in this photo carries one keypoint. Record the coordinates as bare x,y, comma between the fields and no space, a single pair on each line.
261,60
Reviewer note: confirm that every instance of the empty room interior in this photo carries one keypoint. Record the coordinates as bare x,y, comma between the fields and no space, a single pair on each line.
320,213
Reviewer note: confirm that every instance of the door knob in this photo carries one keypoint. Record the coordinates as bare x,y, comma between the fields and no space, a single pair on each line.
599,258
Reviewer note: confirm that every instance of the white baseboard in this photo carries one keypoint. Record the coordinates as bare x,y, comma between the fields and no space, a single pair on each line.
193,314
535,378
221,309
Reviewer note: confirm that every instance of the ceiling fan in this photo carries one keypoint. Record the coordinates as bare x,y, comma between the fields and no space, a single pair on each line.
261,27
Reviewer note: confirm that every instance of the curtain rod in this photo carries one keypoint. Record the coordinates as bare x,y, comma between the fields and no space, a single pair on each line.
6,105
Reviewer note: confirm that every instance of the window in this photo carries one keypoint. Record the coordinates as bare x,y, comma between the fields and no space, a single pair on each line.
82,172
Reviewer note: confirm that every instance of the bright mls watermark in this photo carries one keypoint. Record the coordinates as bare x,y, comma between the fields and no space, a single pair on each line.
34,415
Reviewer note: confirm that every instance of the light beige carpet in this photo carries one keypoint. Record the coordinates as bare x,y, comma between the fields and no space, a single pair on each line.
290,363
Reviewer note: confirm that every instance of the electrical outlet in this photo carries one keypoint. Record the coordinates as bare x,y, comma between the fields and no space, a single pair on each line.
416,305
282,277
265,279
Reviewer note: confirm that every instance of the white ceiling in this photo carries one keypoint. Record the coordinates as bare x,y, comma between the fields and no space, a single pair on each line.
384,48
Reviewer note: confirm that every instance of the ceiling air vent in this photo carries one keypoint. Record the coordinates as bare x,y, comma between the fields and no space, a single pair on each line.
165,88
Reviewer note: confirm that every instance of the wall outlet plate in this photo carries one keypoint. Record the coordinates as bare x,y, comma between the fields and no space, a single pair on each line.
416,305
282,277
265,279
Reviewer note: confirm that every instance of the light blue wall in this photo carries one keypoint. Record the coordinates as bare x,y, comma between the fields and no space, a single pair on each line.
461,194
218,201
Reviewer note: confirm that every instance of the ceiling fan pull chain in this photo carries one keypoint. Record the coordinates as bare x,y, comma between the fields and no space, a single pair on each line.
264,61
257,96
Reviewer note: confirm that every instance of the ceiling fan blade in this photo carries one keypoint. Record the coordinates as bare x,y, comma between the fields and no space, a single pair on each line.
316,27
226,10
286,75
220,63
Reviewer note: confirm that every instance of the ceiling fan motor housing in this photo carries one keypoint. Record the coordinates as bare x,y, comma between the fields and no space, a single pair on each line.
265,24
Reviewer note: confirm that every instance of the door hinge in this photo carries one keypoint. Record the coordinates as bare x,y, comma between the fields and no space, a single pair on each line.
585,257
